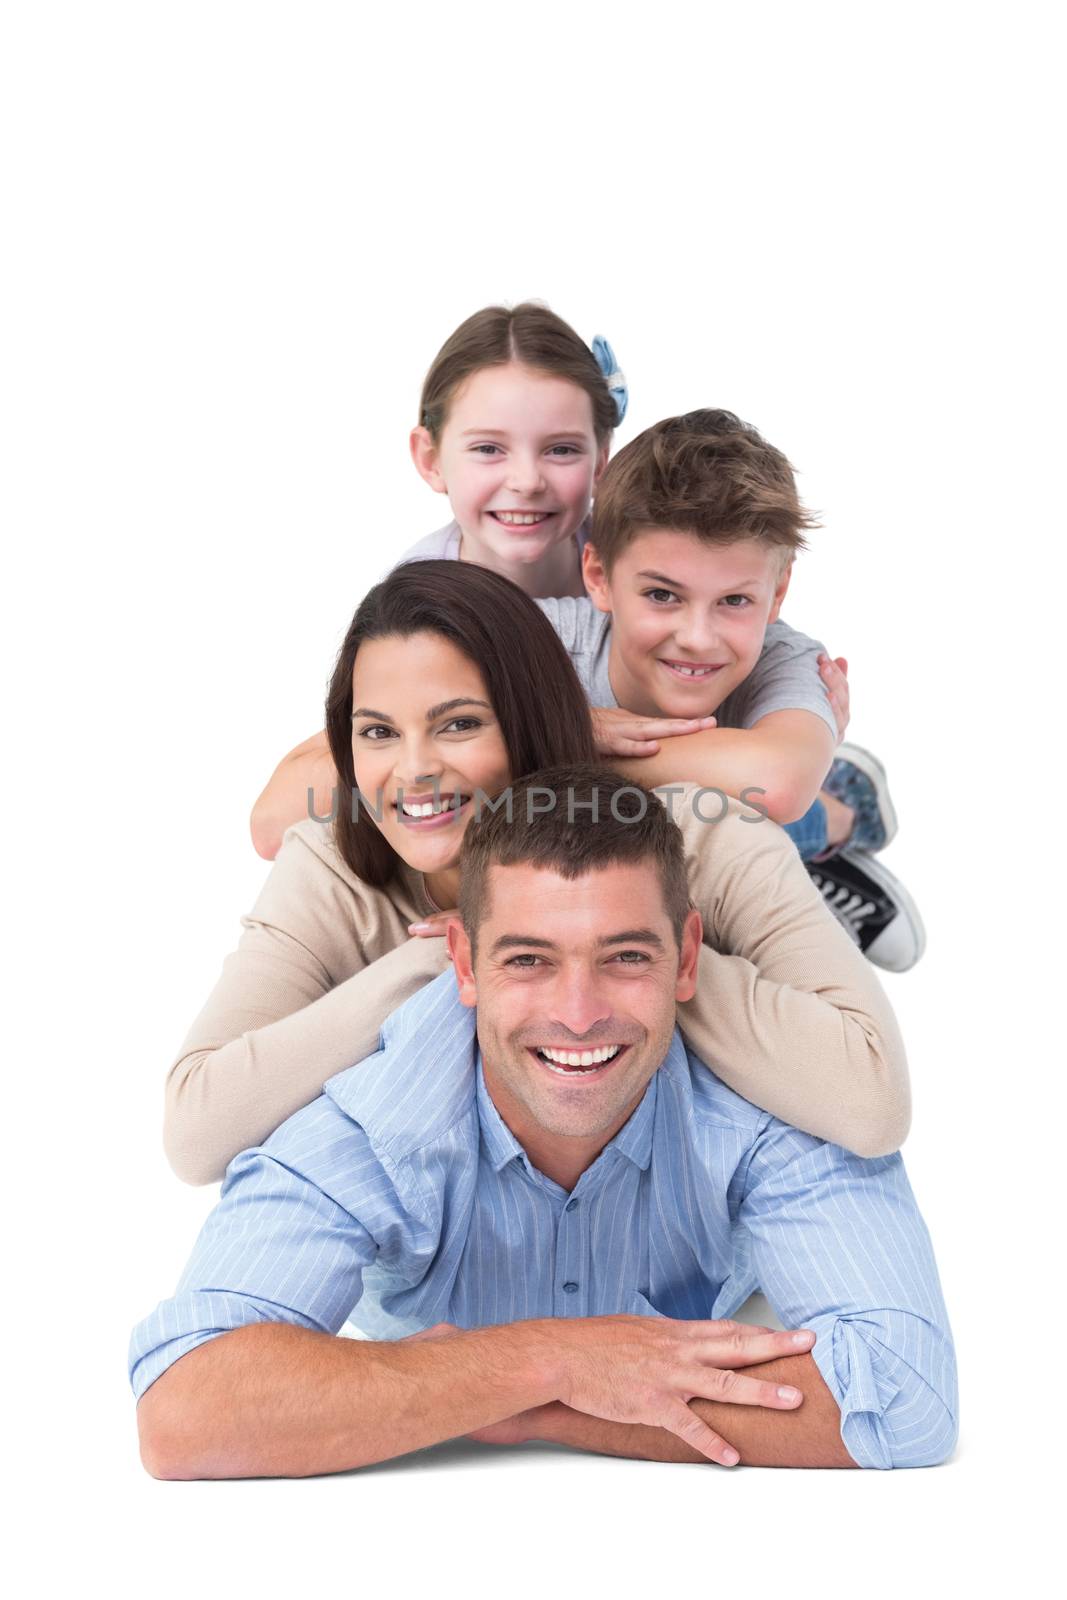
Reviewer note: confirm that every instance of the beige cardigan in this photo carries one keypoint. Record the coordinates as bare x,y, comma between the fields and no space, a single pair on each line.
787,1010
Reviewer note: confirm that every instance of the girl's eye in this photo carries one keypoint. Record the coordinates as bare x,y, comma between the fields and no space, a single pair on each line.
736,602
660,597
373,730
565,449
485,449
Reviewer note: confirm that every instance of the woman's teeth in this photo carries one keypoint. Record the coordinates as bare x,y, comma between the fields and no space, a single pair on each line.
568,1060
431,808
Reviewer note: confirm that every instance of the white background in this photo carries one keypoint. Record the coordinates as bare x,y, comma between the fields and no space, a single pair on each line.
236,236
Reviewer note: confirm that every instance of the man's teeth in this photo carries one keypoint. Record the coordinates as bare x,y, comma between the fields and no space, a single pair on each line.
566,1060
432,808
521,518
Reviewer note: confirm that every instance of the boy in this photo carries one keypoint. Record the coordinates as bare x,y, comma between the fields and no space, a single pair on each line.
695,528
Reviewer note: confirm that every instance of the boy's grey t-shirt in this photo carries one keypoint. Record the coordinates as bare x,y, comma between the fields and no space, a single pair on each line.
785,678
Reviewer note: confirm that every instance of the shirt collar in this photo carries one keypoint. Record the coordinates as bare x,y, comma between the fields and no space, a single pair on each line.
633,1140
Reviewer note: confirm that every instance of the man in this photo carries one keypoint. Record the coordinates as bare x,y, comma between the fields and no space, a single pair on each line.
560,1204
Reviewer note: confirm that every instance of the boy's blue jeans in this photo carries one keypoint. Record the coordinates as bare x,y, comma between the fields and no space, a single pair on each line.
808,833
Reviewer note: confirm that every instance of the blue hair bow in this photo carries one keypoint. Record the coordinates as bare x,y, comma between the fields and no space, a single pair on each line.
605,360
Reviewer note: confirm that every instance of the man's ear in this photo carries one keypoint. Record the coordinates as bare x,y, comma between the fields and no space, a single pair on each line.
424,455
686,986
459,949
780,593
595,578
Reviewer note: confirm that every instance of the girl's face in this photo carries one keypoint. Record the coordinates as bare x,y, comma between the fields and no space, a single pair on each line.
425,739
518,459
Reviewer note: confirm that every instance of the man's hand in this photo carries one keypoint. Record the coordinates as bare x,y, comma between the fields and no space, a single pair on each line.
624,733
834,675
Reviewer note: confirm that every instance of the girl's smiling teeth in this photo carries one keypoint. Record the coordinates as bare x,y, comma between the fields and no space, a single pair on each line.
521,519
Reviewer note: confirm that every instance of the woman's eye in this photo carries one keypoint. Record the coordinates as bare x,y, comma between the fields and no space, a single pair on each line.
461,725
736,602
372,732
660,597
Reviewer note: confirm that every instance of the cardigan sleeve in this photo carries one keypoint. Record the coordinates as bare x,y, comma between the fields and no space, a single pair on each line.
322,962
788,1012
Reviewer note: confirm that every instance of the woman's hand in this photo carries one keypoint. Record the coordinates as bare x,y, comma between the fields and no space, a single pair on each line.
434,927
623,733
834,675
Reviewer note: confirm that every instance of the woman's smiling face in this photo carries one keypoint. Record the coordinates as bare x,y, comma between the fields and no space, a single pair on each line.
425,740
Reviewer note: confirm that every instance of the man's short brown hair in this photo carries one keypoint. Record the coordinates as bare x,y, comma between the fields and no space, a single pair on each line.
708,474
573,820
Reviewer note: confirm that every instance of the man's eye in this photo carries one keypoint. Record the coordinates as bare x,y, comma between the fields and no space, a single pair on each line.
736,602
524,962
660,597
632,958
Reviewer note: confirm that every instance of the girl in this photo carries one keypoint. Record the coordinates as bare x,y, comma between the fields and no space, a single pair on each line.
431,700
515,426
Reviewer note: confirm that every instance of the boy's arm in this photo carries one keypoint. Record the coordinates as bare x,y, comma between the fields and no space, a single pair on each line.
783,759
285,799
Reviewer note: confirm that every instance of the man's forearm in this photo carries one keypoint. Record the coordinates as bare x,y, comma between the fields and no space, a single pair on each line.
807,1437
272,1400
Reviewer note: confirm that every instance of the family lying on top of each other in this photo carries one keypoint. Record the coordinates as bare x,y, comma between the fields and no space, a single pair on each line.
413,1211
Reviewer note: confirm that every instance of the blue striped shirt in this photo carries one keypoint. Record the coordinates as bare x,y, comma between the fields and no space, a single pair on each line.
401,1198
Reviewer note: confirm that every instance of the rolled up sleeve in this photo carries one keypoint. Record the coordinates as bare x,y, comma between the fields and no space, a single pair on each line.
276,1248
839,1246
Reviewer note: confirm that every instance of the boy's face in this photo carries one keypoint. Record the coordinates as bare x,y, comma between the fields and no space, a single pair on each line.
688,618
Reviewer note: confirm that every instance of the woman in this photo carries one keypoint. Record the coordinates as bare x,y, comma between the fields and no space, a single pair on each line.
450,683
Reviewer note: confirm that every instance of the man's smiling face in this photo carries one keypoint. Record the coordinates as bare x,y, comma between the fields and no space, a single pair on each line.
576,982
688,618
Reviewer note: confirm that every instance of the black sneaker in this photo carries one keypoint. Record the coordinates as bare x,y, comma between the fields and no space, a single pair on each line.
875,909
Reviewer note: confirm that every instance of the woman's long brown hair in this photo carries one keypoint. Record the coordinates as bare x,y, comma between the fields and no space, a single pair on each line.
532,685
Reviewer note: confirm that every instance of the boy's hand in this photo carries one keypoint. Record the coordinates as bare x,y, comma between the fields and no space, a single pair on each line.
834,675
624,733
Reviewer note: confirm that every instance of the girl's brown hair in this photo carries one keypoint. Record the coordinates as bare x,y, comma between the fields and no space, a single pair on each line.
532,686
529,333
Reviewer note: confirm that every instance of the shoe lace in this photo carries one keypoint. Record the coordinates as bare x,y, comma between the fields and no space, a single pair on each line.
850,908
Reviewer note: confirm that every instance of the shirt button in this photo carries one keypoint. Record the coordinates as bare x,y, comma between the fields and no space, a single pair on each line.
570,1288
572,1205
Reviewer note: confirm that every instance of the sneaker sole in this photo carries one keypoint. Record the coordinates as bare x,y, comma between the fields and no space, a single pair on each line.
893,887
875,773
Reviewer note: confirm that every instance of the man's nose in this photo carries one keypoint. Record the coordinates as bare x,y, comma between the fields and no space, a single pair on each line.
525,474
577,1002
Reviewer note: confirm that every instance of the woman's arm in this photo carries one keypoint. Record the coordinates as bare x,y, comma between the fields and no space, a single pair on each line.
788,1011
285,799
322,963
